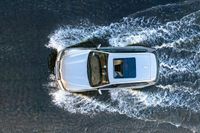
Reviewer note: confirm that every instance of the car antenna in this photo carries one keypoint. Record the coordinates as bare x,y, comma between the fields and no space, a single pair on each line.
100,92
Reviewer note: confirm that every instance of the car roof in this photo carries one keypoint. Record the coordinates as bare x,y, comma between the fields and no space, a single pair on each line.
142,67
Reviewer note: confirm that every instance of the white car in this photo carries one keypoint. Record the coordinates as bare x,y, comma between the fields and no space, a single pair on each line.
82,69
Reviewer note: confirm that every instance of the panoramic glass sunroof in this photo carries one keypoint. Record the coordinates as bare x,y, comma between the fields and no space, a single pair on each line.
124,68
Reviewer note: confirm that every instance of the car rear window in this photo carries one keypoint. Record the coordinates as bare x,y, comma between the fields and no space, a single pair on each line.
124,67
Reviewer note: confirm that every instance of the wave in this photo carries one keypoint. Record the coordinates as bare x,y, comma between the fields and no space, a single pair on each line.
177,42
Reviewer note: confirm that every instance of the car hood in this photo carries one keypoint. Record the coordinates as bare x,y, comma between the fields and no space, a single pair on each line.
74,69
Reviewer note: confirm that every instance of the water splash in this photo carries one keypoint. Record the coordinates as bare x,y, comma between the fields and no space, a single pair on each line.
178,47
69,35
76,103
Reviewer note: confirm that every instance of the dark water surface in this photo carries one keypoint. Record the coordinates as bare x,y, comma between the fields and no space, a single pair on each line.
30,100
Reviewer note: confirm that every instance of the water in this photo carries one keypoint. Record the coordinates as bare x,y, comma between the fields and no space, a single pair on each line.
30,97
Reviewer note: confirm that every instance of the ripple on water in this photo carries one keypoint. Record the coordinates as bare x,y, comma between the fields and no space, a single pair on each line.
178,48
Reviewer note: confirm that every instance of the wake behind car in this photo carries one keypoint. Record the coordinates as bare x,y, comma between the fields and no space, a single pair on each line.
82,69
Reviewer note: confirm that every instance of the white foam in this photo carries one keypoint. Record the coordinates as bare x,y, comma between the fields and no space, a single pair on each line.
138,104
124,41
68,36
76,103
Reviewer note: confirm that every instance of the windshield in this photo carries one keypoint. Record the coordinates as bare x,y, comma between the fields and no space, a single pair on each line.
97,68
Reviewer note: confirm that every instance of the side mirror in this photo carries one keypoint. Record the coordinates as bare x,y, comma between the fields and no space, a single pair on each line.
98,46
100,92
